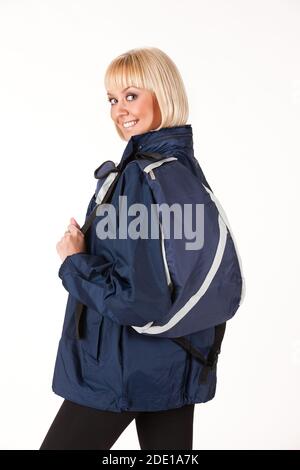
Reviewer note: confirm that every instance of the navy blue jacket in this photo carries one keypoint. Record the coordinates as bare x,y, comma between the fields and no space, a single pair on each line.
125,287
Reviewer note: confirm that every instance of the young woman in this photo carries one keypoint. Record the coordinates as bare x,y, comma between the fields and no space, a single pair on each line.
107,370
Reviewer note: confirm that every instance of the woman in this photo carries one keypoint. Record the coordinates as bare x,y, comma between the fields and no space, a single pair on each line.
109,372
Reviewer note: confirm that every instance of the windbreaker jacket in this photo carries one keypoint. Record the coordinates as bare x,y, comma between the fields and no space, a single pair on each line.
125,284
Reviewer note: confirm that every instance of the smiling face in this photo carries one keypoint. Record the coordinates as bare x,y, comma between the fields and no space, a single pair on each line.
134,104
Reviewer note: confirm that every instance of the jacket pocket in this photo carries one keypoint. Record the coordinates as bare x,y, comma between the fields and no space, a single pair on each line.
92,341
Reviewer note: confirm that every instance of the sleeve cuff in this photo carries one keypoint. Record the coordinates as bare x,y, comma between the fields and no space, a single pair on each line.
67,265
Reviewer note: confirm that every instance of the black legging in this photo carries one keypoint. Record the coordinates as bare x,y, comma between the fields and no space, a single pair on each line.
84,428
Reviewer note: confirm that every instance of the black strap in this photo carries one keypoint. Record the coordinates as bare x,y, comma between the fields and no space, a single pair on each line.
211,360
92,215
80,308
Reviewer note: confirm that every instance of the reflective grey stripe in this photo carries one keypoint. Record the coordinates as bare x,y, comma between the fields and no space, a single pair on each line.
154,330
223,215
105,187
148,169
162,241
223,224
169,282
151,173
156,164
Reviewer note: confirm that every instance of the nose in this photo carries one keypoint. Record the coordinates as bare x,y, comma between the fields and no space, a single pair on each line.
121,109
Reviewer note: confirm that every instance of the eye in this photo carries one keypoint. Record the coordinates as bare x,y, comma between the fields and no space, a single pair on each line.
130,94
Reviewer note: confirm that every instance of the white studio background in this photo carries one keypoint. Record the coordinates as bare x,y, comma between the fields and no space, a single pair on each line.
240,63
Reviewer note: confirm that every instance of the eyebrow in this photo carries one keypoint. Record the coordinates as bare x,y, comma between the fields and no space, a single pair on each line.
108,93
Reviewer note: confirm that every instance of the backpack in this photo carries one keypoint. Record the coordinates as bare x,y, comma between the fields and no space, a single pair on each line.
209,282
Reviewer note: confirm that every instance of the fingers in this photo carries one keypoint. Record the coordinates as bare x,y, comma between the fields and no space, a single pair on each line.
74,222
71,229
73,226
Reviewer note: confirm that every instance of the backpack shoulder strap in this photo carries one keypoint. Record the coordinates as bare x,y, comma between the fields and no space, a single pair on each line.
211,360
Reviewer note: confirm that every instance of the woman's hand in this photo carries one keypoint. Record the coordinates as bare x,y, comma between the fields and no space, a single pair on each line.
72,241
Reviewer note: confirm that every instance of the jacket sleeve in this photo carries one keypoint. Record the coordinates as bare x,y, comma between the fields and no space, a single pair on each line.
130,289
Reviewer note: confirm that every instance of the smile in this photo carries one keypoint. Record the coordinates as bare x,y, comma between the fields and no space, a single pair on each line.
130,124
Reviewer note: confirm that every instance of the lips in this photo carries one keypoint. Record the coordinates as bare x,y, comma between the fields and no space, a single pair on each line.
136,121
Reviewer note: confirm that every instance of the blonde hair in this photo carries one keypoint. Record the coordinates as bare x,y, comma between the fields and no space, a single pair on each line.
151,69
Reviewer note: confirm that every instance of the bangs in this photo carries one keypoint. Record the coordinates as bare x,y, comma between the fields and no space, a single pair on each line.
124,72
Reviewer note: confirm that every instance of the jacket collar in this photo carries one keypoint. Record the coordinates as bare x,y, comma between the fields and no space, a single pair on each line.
168,141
